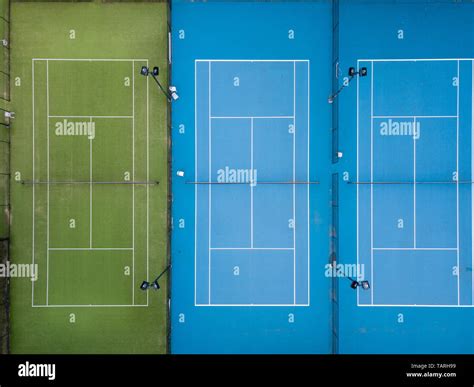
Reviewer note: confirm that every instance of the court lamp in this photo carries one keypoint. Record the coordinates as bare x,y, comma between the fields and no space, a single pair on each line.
171,94
355,284
154,285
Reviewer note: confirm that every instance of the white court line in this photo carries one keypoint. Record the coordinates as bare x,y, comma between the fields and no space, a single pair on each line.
357,177
88,60
210,186
472,174
418,117
416,305
250,117
457,185
90,248
416,248
90,190
251,185
71,116
91,306
252,248
47,167
48,162
251,60
415,60
307,191
34,201
195,179
133,186
147,186
372,186
210,116
472,177
247,305
294,186
414,185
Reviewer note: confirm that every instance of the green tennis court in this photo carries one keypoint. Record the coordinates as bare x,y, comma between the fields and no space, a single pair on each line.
89,178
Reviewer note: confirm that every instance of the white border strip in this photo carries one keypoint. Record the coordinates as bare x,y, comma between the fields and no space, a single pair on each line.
133,185
48,187
147,179
416,306
252,60
34,178
248,305
415,60
91,306
130,117
209,134
457,184
472,188
294,179
195,179
307,187
91,248
88,60
252,248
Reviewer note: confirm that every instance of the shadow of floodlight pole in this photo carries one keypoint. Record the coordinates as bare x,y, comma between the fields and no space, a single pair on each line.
155,285
170,95
351,73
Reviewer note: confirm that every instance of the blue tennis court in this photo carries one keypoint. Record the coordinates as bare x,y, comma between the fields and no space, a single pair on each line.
421,219
252,239
250,235
386,174
408,122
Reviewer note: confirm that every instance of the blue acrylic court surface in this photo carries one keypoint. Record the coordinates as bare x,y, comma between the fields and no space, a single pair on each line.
248,250
278,182
426,121
248,245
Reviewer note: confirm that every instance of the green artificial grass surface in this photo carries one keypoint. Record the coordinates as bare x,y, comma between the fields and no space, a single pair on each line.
88,122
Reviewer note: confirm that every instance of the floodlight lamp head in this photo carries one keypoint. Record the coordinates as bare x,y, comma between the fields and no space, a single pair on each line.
173,93
156,71
365,285
144,71
156,285
362,72
145,285
354,284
